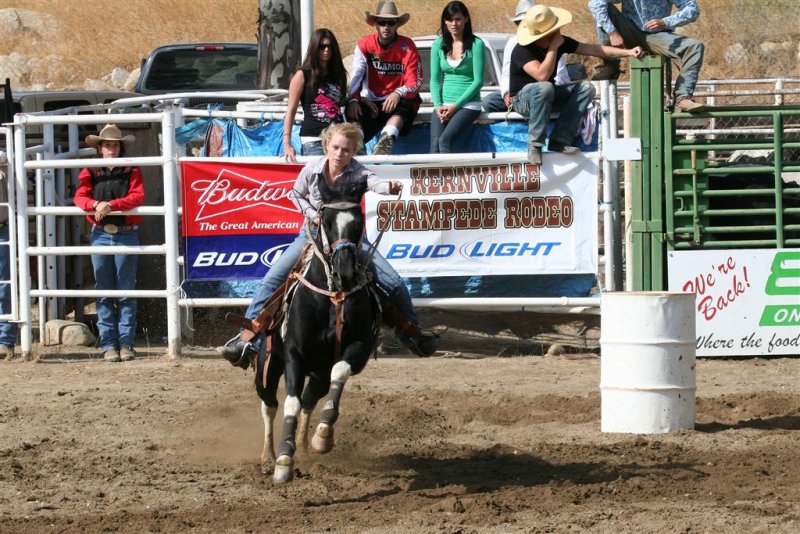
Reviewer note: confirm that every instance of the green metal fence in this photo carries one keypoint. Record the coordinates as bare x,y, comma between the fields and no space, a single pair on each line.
727,178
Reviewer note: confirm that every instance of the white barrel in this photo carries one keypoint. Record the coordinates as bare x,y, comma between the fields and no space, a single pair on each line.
647,362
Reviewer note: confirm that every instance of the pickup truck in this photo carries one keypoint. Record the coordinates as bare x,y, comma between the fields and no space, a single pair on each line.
36,101
196,67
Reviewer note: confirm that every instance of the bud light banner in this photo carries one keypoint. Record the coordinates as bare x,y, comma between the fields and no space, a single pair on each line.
237,217
496,217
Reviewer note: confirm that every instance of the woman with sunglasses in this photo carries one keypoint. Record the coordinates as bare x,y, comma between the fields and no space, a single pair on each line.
457,58
320,87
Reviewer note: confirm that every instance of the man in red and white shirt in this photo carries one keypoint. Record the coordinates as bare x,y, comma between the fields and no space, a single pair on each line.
386,78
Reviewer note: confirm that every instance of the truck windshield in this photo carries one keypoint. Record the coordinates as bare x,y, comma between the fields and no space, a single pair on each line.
203,68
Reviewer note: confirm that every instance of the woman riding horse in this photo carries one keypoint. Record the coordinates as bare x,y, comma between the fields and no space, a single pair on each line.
340,142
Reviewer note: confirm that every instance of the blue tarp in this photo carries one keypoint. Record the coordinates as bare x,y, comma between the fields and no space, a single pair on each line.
267,138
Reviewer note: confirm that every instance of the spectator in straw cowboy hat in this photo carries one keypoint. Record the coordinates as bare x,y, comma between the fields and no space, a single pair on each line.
101,191
532,83
385,81
501,100
651,24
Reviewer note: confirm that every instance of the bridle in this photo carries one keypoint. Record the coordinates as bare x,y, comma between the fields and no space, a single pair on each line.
325,250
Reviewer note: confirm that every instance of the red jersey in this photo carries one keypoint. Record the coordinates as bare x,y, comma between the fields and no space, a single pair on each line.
378,71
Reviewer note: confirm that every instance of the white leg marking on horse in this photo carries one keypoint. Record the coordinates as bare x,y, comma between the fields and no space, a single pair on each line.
343,219
291,407
341,372
268,451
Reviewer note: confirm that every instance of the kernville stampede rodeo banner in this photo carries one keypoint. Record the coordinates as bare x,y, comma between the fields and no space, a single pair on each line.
747,301
485,218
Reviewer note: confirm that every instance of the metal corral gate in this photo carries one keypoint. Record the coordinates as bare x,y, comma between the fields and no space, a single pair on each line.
723,179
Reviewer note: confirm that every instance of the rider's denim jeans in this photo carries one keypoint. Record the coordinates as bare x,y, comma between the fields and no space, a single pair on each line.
537,100
386,278
116,317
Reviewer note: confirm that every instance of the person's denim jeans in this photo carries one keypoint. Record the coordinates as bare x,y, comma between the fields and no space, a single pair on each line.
493,102
387,279
537,100
8,331
689,51
444,136
116,317
312,148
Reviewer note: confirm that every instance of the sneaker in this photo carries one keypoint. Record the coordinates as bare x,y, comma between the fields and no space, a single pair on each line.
688,105
384,145
605,72
7,353
127,354
423,346
535,154
112,355
558,146
239,353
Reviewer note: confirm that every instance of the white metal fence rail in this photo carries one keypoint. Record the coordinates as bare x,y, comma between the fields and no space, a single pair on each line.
50,212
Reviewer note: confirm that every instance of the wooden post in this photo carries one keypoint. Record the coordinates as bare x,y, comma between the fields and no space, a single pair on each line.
279,53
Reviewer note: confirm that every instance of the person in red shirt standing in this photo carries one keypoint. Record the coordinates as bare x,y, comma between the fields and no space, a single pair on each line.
101,191
386,78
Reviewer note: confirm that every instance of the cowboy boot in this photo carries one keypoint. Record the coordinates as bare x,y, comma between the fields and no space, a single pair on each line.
240,353
421,342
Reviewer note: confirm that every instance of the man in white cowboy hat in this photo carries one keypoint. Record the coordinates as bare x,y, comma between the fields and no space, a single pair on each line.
501,100
651,25
532,83
102,190
386,78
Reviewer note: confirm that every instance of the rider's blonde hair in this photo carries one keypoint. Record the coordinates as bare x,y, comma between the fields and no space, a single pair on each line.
348,130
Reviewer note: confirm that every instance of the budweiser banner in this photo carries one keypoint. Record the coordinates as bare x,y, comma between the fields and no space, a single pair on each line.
483,218
237,217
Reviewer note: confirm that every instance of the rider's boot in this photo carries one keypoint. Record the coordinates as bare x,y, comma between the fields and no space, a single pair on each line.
242,349
421,342
239,352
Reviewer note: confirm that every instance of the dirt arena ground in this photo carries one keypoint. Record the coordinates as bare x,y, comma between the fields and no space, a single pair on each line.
451,444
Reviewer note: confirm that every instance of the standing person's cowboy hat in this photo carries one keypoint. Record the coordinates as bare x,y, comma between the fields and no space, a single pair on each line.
522,7
541,21
386,10
110,132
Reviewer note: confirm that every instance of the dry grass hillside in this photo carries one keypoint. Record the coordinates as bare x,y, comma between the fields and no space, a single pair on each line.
95,36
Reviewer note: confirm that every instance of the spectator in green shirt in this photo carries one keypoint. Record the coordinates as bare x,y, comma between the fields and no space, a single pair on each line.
456,78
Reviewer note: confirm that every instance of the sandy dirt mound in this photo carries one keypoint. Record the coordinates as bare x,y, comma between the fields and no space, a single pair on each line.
423,445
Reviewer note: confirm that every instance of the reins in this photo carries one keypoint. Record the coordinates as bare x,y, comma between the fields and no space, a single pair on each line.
381,231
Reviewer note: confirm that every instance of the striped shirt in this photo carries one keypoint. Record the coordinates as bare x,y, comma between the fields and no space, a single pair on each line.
305,193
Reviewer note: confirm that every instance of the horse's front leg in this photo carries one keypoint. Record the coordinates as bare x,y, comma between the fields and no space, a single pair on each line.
322,442
284,466
312,393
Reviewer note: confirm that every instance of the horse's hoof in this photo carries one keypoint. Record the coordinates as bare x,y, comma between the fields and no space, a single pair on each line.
322,442
284,470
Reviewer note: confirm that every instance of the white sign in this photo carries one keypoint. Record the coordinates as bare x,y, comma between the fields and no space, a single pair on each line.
748,301
497,217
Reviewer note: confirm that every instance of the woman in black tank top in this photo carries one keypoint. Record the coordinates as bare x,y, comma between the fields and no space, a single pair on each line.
320,87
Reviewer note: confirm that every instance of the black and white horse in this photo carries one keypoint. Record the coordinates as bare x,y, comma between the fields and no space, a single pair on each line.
330,330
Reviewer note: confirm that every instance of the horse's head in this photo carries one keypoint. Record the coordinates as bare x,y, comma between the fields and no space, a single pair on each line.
341,227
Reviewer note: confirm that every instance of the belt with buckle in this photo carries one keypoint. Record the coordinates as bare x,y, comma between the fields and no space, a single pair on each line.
114,229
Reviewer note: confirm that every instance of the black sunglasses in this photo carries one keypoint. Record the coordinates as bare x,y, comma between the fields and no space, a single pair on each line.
381,22
327,46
